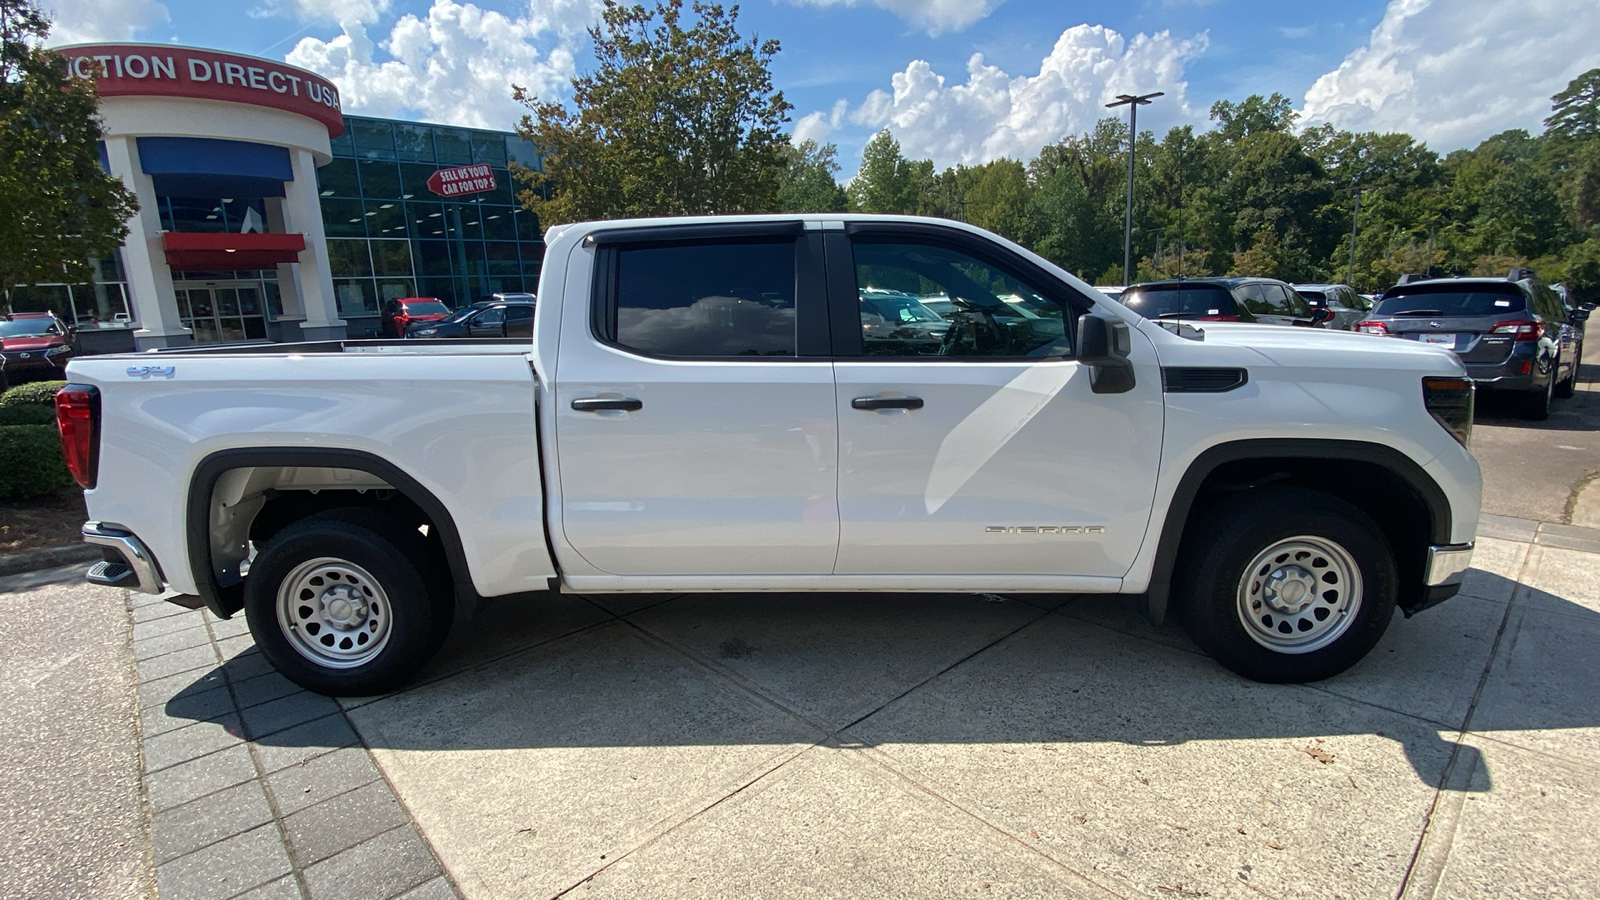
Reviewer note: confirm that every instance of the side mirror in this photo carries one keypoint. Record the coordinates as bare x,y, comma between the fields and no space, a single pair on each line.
1103,345
1588,307
1581,315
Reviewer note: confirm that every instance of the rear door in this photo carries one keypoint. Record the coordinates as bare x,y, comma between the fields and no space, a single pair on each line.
519,321
695,408
984,451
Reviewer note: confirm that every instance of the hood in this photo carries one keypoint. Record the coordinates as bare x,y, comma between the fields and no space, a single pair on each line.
1228,343
39,342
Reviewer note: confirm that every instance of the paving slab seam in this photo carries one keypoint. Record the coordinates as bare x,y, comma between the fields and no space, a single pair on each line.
885,762
664,832
145,807
1426,869
1570,762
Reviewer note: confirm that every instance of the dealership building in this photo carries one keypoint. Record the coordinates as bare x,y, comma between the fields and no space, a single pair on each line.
265,213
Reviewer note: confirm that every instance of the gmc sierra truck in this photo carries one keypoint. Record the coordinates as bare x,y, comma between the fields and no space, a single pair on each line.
766,404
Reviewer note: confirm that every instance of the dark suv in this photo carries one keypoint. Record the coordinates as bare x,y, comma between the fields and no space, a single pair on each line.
1511,333
1263,300
508,318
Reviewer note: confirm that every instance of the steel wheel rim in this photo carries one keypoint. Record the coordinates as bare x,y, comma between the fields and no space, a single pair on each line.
1300,594
334,613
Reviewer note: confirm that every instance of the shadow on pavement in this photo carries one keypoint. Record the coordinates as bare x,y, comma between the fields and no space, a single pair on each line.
555,671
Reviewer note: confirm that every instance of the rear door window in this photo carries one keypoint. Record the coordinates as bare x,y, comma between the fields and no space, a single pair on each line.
706,300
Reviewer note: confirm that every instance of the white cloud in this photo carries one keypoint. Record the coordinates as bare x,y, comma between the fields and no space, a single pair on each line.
456,65
1454,73
83,21
994,114
936,16
817,126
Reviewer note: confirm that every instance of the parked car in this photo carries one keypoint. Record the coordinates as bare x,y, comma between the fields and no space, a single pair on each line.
34,346
509,318
1114,291
1348,306
400,314
698,412
1512,333
891,319
1263,300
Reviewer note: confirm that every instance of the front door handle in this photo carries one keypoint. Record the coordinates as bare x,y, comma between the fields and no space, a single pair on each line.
886,403
600,404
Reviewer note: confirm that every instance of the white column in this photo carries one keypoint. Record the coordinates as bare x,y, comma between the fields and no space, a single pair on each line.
302,212
145,262
288,279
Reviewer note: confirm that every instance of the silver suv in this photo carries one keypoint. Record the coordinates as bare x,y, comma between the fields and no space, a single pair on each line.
1511,333
1348,306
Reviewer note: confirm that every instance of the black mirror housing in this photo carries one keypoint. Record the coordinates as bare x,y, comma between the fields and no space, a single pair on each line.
1103,345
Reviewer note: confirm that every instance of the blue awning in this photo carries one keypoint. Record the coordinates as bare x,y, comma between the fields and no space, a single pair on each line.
208,167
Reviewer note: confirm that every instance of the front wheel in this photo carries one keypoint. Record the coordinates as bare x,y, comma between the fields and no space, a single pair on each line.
1287,585
347,607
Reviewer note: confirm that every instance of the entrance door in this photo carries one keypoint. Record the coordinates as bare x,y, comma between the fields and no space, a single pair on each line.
969,439
223,312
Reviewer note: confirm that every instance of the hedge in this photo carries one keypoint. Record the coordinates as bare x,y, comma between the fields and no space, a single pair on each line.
27,414
32,463
41,392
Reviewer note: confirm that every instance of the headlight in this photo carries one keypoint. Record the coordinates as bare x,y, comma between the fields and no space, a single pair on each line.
57,351
426,331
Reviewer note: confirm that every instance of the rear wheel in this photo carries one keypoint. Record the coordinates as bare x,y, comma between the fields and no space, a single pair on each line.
1568,387
1287,585
1535,405
347,606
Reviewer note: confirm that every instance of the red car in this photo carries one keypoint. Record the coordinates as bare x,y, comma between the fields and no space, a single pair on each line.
400,313
33,346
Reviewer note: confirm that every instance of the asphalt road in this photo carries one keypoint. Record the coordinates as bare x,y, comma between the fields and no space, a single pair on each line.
1531,469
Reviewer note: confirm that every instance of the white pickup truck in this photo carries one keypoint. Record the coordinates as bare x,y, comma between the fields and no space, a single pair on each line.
787,403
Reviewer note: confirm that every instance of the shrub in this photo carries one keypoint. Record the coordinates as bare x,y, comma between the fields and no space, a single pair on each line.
32,461
36,392
27,414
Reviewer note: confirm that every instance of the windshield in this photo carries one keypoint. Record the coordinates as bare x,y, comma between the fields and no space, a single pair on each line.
1452,300
425,307
1157,300
28,328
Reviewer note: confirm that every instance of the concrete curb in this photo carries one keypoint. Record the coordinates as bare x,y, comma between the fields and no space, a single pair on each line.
48,558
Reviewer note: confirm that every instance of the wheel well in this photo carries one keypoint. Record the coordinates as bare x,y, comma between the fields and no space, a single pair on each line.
1380,481
240,498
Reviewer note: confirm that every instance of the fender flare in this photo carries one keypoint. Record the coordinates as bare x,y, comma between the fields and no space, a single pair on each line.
225,601
1183,498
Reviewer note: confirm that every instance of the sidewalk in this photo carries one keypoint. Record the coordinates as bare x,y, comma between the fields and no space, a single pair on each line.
881,745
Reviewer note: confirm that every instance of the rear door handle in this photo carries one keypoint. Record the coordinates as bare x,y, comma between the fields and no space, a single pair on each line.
886,403
600,404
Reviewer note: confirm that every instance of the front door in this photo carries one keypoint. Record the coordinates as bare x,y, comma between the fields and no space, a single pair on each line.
695,412
975,445
222,312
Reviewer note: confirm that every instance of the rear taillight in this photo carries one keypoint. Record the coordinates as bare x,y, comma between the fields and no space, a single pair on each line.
1372,328
1449,401
1524,329
78,420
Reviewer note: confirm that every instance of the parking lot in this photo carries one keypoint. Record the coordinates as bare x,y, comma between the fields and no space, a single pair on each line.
834,745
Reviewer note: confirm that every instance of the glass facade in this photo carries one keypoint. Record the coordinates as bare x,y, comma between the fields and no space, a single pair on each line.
102,302
390,236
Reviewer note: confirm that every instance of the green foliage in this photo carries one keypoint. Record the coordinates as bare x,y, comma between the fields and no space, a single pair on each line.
887,182
674,120
34,464
36,392
808,183
1575,112
27,414
58,207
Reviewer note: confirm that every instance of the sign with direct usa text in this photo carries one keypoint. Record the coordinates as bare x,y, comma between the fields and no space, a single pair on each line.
159,70
462,180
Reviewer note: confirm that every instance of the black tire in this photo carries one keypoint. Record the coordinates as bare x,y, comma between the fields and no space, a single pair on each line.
1567,388
1535,405
388,568
1222,544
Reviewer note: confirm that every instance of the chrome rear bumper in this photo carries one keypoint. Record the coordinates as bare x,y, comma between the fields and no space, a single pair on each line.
137,570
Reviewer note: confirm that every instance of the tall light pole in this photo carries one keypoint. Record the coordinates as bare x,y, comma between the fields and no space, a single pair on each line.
1132,102
1355,221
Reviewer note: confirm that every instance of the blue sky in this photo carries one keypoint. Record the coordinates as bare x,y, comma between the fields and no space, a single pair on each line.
955,80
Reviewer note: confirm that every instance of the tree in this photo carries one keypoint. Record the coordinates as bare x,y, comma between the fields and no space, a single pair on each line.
1575,112
807,184
58,208
674,121
887,182
1254,115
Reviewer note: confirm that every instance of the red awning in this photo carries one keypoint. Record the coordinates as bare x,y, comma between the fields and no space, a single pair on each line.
188,251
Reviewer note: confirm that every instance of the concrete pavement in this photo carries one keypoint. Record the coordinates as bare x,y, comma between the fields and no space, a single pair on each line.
852,745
